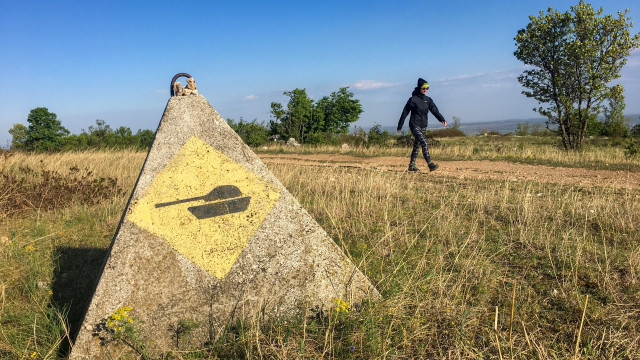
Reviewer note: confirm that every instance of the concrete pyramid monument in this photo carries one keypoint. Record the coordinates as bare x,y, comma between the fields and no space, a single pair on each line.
209,233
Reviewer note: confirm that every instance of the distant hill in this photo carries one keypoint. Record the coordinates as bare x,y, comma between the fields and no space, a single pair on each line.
501,126
504,126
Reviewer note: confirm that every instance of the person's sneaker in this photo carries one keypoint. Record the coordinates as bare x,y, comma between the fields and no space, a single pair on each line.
433,166
412,167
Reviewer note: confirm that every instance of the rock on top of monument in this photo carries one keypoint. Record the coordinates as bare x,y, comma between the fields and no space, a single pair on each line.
210,234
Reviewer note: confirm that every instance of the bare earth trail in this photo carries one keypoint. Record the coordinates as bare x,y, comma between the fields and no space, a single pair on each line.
481,169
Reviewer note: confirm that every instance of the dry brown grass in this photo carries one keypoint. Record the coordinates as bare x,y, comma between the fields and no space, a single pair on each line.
444,252
122,164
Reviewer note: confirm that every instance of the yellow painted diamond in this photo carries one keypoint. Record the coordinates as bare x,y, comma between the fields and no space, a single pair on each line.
206,206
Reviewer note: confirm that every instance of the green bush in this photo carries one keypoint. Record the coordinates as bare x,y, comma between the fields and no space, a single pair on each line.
319,138
446,132
522,129
252,133
377,137
404,140
632,150
358,139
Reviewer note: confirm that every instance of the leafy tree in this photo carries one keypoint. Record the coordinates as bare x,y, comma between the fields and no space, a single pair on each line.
539,130
522,129
594,126
18,136
102,136
277,117
377,137
322,109
302,119
339,110
75,142
456,123
144,138
615,124
101,129
635,131
123,138
296,119
573,57
45,131
252,133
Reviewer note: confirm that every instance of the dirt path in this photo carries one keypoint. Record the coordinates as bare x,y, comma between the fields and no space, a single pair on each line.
498,170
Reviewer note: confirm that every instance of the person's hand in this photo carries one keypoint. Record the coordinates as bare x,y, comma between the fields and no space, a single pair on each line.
445,123
399,131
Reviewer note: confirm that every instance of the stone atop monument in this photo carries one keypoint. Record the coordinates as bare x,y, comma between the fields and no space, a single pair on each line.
190,89
209,235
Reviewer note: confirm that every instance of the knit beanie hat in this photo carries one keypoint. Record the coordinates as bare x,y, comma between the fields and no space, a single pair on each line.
421,82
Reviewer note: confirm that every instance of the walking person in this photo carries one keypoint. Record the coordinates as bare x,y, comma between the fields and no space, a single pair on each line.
419,105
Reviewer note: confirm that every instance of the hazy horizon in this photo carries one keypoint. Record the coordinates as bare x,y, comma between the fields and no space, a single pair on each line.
114,61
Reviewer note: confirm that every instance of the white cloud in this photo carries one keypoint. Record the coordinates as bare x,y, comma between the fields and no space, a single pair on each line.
371,85
250,97
462,77
493,85
634,58
497,78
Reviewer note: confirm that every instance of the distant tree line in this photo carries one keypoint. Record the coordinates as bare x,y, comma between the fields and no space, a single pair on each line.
610,127
256,133
313,122
326,121
303,119
45,133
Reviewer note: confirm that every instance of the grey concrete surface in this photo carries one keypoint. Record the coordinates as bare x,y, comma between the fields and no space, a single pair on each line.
289,264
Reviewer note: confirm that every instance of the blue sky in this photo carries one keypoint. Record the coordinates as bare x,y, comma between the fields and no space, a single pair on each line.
114,60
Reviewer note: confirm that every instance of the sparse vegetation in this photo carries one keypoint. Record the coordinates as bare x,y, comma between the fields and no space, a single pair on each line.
595,154
453,259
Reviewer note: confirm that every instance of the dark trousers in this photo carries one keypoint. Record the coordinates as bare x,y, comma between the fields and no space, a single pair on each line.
419,141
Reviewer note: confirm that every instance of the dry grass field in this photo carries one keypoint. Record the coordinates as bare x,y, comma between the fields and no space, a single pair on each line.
469,267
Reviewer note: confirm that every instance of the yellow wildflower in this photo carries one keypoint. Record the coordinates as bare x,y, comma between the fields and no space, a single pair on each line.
119,318
29,248
341,305
33,355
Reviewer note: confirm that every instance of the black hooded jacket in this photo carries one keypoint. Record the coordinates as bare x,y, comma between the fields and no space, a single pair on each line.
419,105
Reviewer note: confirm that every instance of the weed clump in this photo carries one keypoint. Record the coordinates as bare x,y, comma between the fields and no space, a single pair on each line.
27,188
